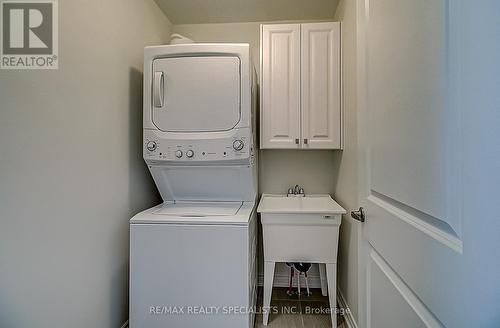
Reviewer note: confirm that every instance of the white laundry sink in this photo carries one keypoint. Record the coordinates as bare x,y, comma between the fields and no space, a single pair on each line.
301,229
323,204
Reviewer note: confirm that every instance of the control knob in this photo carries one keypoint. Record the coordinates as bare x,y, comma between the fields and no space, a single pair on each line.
190,153
238,144
178,153
151,146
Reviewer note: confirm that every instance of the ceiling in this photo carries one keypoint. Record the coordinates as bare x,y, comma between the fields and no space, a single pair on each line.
230,11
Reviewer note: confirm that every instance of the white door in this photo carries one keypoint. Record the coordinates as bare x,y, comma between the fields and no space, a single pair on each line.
197,93
320,89
280,86
429,117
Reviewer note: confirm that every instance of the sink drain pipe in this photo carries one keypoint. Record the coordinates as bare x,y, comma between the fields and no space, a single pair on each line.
301,268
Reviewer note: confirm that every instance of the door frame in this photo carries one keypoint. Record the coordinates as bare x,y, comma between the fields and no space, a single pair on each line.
361,95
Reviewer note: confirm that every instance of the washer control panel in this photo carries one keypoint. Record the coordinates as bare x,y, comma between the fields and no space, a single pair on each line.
231,148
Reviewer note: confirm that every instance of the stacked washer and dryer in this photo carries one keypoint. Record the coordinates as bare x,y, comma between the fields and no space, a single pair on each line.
193,258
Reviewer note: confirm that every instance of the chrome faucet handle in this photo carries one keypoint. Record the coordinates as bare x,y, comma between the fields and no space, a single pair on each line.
290,191
296,189
301,191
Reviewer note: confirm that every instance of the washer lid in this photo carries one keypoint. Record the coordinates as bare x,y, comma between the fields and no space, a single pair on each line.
197,213
199,209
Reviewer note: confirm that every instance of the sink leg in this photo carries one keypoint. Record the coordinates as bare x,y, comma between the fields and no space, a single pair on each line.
298,282
322,278
331,274
268,289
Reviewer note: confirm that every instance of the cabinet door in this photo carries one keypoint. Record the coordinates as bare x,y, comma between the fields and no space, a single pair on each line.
320,90
280,86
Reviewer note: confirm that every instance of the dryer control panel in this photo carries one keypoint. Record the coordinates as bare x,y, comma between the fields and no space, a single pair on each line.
231,148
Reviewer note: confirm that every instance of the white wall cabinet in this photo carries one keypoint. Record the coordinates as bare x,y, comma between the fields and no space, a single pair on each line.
280,86
300,86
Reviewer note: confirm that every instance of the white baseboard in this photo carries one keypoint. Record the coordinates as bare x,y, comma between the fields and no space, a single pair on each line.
349,318
125,325
282,280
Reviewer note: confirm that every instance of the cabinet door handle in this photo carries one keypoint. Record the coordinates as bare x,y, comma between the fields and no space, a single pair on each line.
297,141
305,141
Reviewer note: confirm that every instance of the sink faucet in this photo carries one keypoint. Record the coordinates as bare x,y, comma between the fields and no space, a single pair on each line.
296,191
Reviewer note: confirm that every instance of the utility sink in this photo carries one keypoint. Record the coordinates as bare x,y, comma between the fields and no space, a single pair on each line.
301,229
322,204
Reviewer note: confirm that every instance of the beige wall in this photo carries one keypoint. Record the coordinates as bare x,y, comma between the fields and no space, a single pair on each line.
71,169
346,187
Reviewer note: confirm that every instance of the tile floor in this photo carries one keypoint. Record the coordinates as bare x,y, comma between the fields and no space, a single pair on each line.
297,311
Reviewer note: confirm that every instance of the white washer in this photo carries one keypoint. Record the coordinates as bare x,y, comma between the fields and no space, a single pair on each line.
187,255
192,258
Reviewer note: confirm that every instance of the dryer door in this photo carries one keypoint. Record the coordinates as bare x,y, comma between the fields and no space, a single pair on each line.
196,94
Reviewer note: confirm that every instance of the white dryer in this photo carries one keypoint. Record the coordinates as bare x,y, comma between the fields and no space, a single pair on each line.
192,258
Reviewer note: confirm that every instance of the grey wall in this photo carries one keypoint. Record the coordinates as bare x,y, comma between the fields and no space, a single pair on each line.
235,11
346,186
315,170
279,169
333,172
71,170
